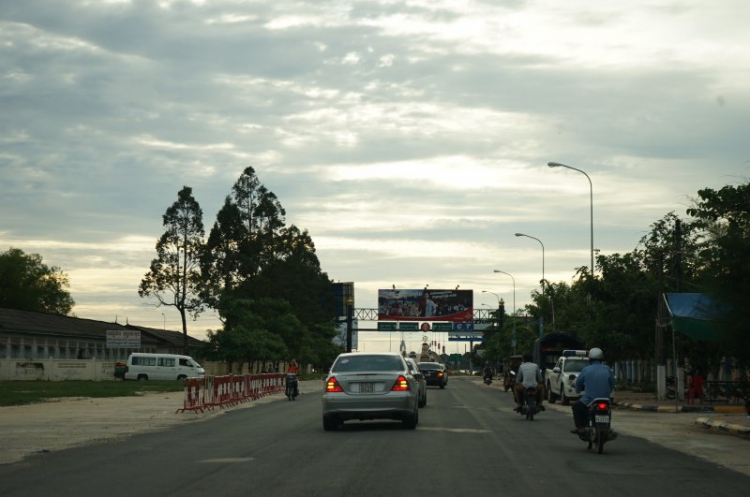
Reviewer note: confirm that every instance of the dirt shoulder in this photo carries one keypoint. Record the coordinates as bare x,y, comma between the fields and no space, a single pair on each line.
66,423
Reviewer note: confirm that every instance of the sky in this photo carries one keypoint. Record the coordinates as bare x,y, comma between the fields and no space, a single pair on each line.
409,138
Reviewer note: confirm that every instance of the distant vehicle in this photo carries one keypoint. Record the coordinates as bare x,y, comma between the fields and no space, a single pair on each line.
417,373
367,386
435,373
143,367
549,348
560,381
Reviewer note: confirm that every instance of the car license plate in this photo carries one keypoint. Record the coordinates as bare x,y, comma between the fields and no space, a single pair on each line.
366,387
602,419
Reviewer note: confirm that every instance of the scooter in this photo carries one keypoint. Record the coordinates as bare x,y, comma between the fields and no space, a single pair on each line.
529,406
291,386
488,379
598,428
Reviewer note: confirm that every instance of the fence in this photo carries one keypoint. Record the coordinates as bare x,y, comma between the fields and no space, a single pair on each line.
96,369
210,392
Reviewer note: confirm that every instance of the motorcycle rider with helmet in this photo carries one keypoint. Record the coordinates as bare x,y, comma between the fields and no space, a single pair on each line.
528,376
596,381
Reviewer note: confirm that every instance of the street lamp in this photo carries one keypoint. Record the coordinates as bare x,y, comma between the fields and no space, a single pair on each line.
591,201
513,344
540,243
496,295
500,309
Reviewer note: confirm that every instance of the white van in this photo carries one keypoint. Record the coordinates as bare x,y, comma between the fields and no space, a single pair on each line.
144,367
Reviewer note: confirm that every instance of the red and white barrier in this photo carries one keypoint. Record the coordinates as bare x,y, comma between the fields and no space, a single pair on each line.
226,391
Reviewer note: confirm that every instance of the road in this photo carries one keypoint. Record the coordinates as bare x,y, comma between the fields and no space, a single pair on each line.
468,442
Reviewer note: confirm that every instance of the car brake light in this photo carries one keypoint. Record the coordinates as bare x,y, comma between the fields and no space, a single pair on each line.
401,385
440,374
333,386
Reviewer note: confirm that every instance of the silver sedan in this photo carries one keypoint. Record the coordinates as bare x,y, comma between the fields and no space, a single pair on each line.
370,386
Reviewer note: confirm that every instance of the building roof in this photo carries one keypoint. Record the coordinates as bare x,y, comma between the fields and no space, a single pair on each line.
41,323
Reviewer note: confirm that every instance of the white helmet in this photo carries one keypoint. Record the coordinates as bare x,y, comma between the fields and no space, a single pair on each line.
596,354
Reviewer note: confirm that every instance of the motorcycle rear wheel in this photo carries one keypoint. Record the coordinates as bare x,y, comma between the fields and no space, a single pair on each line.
601,438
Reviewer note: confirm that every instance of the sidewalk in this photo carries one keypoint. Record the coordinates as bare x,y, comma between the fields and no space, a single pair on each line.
734,418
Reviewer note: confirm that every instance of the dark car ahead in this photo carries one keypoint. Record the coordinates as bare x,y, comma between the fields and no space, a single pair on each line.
434,373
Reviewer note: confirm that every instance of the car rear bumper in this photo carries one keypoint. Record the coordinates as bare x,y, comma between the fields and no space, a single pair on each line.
391,406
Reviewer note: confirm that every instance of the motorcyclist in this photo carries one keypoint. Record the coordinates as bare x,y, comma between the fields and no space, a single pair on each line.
528,376
487,371
596,381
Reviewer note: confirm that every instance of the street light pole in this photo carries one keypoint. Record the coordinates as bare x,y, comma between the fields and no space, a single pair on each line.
500,309
513,343
591,205
540,243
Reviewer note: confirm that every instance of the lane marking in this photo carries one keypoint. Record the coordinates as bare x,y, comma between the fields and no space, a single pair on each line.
227,460
451,430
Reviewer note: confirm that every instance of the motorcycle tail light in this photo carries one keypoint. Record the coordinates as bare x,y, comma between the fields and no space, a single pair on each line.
332,385
602,406
401,385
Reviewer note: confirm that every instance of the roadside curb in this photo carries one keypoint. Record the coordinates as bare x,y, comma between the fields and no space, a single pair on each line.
727,427
674,409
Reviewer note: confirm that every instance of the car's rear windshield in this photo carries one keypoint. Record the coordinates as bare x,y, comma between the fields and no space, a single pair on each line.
367,363
575,366
430,366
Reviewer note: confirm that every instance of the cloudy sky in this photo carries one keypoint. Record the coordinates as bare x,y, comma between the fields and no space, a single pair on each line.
410,138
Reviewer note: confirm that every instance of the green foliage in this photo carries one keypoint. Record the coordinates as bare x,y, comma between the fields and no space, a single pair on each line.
27,284
251,257
724,251
174,278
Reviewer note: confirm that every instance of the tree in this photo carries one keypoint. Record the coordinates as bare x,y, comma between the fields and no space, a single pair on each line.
26,283
175,278
252,256
724,252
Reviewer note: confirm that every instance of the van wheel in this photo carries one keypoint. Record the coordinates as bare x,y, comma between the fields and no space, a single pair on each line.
182,377
142,377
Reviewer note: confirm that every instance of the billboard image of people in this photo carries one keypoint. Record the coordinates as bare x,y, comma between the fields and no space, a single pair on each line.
426,305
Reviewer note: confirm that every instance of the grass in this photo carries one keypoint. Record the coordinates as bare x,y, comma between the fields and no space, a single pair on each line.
16,393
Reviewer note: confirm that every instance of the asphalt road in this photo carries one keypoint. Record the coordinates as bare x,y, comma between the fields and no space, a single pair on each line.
468,442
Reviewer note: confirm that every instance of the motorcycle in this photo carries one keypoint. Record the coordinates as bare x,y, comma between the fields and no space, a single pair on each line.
292,383
529,407
598,428
488,379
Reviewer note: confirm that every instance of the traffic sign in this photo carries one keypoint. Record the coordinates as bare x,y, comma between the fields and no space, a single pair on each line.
408,326
386,326
425,327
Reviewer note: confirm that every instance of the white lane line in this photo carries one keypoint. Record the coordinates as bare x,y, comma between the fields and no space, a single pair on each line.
451,430
228,460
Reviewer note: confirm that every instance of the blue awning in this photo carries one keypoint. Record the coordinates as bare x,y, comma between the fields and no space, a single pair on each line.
693,315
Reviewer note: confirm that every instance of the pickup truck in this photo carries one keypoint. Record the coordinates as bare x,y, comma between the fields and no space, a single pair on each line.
560,380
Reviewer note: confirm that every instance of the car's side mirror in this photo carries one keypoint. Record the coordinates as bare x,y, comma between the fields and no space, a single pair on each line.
556,369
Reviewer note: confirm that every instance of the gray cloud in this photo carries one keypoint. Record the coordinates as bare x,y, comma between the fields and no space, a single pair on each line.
411,141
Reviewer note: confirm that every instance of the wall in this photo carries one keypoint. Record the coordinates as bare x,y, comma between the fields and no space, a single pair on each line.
56,369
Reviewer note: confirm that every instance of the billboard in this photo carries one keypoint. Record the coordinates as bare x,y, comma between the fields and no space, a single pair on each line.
426,305
341,293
